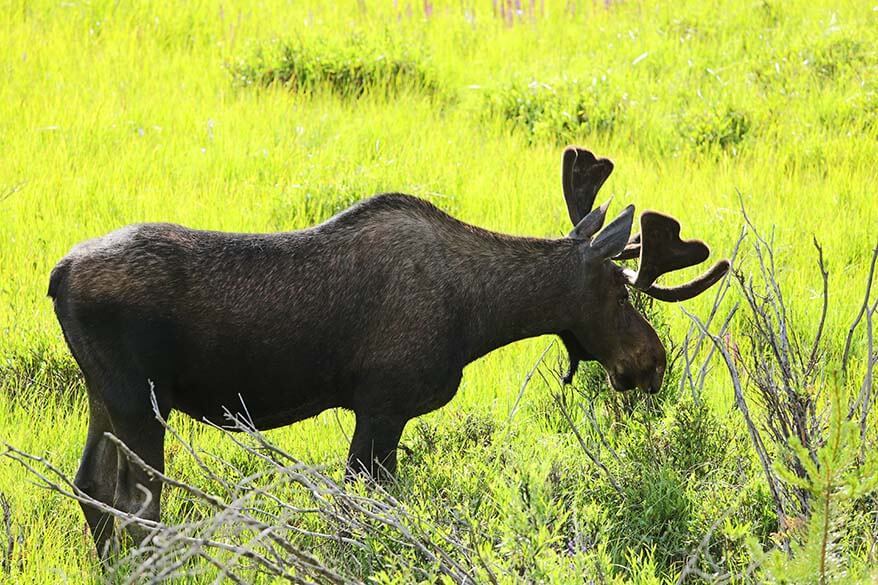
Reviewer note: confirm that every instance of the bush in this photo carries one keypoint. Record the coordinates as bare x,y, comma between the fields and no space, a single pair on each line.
351,68
829,59
792,71
697,443
722,129
563,112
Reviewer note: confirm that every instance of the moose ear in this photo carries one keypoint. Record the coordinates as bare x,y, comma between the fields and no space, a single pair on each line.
612,240
590,224
582,175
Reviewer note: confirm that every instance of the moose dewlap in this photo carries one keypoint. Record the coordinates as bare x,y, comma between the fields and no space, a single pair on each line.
377,310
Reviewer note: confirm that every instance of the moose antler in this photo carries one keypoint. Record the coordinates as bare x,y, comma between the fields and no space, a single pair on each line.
662,251
632,249
582,175
658,244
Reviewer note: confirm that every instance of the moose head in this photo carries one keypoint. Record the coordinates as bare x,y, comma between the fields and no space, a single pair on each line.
617,335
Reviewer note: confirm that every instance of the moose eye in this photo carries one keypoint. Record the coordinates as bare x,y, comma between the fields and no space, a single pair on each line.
623,300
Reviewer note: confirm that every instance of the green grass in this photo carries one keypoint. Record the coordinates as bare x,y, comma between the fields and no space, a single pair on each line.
113,113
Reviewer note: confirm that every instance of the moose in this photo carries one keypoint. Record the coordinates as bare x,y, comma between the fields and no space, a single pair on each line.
377,310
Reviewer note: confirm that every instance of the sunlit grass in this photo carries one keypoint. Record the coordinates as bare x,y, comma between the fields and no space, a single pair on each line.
113,113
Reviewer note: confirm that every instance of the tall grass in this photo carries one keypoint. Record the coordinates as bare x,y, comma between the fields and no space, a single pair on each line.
113,113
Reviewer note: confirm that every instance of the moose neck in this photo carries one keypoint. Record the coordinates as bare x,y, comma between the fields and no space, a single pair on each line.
524,288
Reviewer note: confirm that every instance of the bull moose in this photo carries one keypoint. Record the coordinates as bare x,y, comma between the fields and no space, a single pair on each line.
376,310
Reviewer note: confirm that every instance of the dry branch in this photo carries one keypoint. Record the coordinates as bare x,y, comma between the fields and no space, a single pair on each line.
784,375
262,530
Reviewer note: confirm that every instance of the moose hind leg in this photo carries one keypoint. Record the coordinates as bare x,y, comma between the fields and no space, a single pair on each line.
373,447
96,477
138,492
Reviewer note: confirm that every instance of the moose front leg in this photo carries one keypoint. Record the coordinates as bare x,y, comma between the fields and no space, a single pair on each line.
373,447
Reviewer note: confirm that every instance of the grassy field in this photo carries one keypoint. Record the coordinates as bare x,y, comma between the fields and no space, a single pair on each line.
273,116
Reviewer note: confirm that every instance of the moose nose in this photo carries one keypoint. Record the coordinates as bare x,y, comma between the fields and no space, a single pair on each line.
620,381
655,382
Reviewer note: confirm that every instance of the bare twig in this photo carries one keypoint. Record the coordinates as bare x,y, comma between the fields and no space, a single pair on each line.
206,469
691,567
156,474
527,379
755,437
259,532
9,545
585,449
824,273
863,308
722,289
597,429
865,397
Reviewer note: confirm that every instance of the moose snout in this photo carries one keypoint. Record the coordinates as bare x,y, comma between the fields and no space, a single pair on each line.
649,380
655,381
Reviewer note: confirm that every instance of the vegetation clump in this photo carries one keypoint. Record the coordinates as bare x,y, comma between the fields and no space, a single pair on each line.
724,130
119,113
310,206
559,112
351,67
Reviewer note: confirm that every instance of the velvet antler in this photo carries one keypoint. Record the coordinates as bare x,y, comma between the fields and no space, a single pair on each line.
582,175
662,251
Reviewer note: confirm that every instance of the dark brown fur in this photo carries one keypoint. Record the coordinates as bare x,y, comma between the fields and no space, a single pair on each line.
377,310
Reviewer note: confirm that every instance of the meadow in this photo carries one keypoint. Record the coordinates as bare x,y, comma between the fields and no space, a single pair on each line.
275,115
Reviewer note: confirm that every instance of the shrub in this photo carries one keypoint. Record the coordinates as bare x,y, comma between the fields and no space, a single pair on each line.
564,112
828,59
697,442
717,129
351,68
835,477
469,430
810,434
792,70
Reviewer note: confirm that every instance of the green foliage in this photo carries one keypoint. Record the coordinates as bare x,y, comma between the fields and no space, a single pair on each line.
566,111
559,112
697,442
657,512
725,129
313,205
833,56
234,118
350,66
672,495
38,374
836,477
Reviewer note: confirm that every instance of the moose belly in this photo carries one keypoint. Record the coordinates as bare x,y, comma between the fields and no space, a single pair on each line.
266,387
261,416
